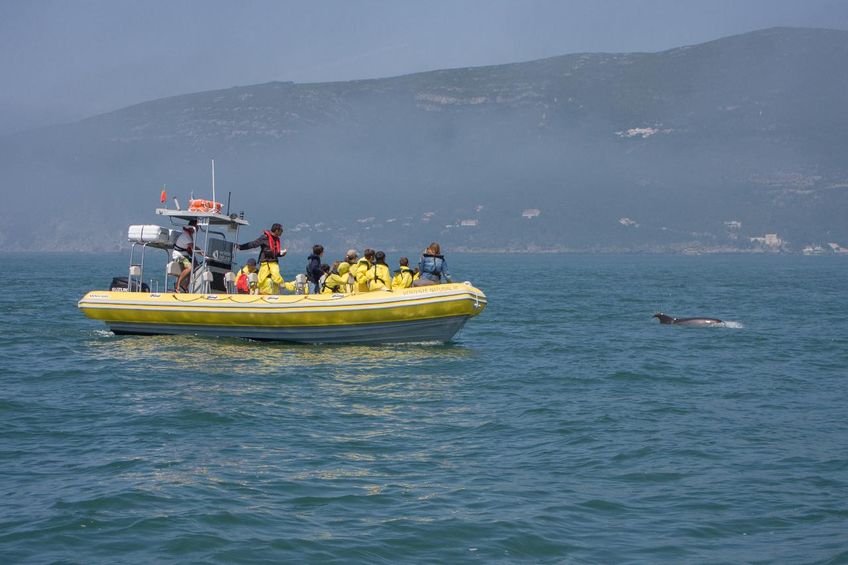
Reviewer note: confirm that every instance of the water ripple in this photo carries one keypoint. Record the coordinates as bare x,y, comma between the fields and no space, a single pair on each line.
572,429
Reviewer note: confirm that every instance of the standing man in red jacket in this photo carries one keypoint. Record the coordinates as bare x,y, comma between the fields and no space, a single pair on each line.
270,250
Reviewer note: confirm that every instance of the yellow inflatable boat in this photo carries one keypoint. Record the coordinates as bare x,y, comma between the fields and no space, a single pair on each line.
212,308
430,313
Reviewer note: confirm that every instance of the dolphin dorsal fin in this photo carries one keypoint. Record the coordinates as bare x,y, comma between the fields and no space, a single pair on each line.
664,319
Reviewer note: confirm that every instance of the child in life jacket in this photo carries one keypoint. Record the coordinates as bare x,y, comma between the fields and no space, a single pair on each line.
403,276
325,272
379,277
348,282
243,284
336,281
359,271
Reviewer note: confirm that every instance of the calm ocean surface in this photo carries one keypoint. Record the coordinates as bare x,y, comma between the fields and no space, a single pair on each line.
562,425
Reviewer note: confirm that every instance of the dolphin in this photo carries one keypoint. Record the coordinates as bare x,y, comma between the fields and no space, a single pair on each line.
691,322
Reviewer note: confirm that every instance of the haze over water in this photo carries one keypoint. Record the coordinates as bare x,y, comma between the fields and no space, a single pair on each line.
564,424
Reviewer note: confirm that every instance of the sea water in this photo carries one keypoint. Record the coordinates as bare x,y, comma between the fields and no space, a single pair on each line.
562,425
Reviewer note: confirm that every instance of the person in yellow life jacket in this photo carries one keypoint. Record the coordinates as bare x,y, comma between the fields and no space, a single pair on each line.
403,276
378,276
345,269
346,277
325,272
360,271
243,284
346,264
336,281
270,251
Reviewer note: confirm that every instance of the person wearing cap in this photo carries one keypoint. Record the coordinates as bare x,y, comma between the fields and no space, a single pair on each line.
182,254
270,250
243,284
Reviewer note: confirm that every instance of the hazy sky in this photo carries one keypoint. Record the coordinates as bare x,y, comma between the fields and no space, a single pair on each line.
61,61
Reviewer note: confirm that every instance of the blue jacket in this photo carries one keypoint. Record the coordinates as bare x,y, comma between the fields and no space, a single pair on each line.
433,267
313,268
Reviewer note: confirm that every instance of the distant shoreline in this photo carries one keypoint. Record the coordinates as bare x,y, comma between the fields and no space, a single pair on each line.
495,251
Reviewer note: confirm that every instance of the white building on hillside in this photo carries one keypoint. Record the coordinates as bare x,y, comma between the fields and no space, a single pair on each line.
770,240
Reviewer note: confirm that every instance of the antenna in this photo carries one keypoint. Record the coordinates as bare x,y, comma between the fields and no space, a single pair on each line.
213,183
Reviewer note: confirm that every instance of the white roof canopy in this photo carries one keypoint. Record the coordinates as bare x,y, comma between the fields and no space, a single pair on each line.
212,218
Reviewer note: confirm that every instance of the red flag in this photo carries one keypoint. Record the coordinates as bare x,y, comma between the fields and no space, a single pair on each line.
163,197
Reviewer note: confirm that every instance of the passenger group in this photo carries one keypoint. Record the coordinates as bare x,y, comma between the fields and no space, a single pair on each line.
352,274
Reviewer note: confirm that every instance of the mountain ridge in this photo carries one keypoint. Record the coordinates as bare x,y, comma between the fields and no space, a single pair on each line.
747,128
720,40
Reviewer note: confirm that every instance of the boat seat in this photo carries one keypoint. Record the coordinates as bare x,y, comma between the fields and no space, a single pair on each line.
206,278
230,281
134,281
253,282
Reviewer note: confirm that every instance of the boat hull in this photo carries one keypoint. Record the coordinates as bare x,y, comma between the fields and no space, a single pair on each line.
434,313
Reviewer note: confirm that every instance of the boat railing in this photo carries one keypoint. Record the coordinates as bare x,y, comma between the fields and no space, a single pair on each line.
135,280
212,260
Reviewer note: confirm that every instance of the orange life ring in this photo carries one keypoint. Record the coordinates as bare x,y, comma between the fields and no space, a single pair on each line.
198,205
